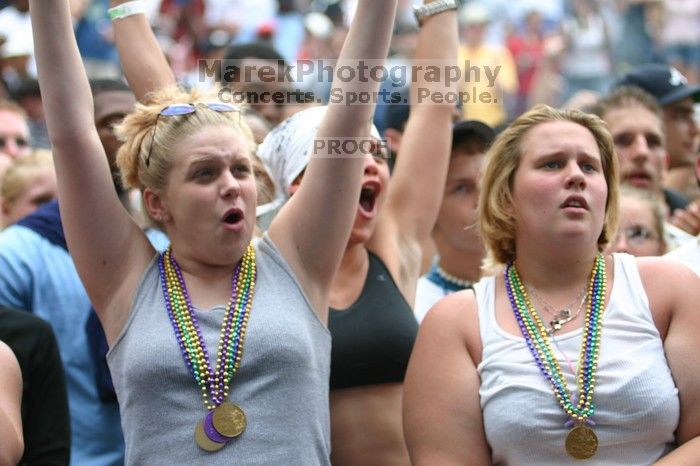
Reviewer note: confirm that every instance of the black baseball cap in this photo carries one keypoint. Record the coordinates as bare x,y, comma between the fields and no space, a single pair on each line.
469,128
398,111
665,83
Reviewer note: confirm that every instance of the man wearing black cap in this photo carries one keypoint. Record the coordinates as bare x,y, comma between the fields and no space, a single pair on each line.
672,92
635,121
395,117
455,235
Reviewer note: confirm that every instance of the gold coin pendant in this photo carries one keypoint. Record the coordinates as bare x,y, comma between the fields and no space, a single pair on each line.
229,419
581,442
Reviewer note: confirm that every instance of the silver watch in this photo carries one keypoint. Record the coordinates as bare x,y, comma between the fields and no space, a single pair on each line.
429,9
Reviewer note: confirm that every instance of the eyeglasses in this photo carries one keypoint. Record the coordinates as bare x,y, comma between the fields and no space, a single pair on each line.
186,109
637,235
19,141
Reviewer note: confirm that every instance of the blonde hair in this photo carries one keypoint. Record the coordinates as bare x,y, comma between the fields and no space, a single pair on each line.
496,220
145,131
655,204
12,107
22,172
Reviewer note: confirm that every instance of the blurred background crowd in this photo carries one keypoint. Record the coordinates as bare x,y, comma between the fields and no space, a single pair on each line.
548,50
564,53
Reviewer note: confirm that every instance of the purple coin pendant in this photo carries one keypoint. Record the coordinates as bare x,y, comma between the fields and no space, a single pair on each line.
203,441
211,431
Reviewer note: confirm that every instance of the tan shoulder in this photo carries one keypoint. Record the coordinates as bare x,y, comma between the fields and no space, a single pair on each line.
456,315
670,286
664,274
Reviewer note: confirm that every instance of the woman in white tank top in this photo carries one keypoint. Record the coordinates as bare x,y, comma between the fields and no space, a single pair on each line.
565,353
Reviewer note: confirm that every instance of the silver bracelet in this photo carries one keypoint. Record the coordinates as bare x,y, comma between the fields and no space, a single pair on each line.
429,9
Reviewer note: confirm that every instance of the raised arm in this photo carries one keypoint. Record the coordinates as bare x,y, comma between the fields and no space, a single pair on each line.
418,180
103,240
143,61
442,420
10,408
313,228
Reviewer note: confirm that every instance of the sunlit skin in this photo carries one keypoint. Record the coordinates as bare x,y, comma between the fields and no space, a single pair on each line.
41,188
636,213
640,145
559,190
377,177
211,176
559,196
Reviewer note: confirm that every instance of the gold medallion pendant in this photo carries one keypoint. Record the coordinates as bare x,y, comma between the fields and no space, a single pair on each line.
203,440
581,442
229,419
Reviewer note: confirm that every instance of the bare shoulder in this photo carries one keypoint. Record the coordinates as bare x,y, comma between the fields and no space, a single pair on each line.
452,309
456,316
671,287
6,354
9,367
664,277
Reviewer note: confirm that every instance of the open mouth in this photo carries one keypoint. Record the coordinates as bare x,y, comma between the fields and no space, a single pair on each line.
233,216
368,196
576,202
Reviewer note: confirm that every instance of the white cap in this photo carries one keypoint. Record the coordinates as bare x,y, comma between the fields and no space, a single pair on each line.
474,13
285,150
318,25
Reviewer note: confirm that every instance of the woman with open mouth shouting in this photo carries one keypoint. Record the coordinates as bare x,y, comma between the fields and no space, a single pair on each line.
219,350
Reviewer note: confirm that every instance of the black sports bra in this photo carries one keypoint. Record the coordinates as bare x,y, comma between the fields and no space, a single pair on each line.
373,338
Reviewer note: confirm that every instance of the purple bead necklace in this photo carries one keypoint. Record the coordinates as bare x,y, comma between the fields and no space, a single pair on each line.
213,382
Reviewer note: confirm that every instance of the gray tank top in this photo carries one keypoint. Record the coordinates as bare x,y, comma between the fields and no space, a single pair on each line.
282,383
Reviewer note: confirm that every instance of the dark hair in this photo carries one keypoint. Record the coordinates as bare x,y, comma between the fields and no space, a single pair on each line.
398,111
626,96
235,53
27,88
105,85
471,144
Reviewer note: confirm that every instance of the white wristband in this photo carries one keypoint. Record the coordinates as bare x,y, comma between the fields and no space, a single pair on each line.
134,7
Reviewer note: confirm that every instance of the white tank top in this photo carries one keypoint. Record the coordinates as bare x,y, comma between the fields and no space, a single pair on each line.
636,399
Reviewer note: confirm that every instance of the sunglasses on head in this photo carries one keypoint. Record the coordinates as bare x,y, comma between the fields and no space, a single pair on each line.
19,141
186,109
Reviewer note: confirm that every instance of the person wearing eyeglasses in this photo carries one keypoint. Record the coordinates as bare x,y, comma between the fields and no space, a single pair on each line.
641,231
219,351
635,122
14,134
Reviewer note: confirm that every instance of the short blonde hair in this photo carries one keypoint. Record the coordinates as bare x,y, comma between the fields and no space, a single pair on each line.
22,172
496,221
140,135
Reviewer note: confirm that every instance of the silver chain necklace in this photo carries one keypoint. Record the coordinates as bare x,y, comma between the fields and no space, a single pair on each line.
565,314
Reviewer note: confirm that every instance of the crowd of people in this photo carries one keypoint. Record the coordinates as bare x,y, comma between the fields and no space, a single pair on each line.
192,271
